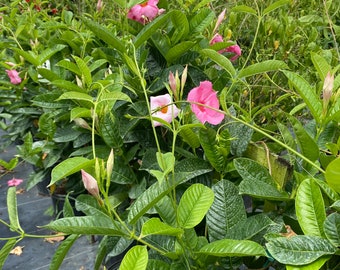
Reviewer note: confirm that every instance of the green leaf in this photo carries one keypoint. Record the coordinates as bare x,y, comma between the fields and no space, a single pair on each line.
151,28
332,174
76,96
166,210
248,228
194,205
111,97
68,167
9,166
67,64
135,259
327,190
110,131
62,250
157,264
232,248
178,50
28,55
307,93
245,9
308,146
321,65
332,228
86,225
49,52
208,140
226,211
166,162
186,170
67,86
5,250
84,69
189,136
220,60
274,6
201,21
12,208
300,249
104,34
79,112
240,138
310,208
316,265
48,74
262,67
257,181
156,226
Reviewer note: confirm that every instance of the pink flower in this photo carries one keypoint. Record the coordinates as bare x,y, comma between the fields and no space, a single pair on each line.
205,95
14,76
235,49
99,5
14,182
145,12
163,109
90,183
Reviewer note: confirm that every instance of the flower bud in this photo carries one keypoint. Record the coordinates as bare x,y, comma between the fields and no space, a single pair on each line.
220,18
90,184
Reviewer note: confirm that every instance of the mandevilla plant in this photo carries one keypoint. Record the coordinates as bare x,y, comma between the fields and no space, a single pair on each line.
192,149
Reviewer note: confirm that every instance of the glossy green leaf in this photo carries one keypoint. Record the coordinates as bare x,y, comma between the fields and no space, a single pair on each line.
28,56
86,225
208,140
307,93
332,228
62,250
12,208
226,211
316,265
5,250
257,181
48,74
244,8
310,208
332,174
178,50
240,138
49,52
220,60
104,34
111,97
200,22
186,170
194,205
89,206
336,206
84,69
135,259
274,6
67,86
156,226
109,130
189,136
262,67
308,146
321,65
331,193
76,96
248,228
151,28
300,249
68,167
166,210
157,264
79,112
67,64
233,248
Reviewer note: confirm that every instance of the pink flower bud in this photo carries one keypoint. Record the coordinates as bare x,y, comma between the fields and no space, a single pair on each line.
220,18
328,85
14,76
90,183
99,5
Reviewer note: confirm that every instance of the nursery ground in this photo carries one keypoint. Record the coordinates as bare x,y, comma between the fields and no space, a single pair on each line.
37,253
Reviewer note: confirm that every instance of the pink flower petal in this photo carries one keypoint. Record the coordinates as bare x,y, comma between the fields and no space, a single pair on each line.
14,182
205,95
